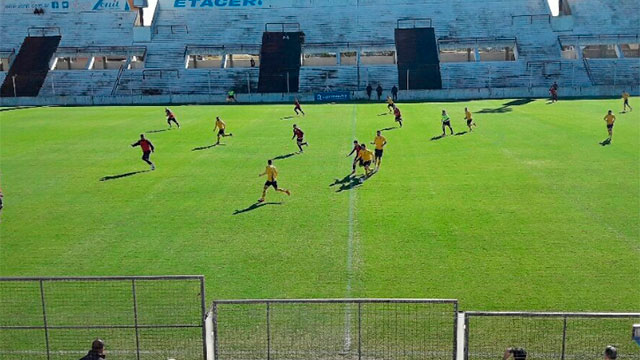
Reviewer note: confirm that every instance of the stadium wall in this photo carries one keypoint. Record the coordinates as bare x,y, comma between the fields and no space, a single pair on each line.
412,95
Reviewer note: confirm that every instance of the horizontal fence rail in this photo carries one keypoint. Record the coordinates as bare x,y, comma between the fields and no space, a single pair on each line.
139,317
549,335
335,329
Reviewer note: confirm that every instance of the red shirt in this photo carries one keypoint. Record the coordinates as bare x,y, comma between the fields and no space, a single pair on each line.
297,103
396,111
298,133
356,149
145,144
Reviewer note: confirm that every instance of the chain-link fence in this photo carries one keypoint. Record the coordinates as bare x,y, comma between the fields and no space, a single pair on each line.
335,329
549,336
137,317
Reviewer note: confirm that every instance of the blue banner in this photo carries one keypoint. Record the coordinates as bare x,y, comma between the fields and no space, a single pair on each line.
333,96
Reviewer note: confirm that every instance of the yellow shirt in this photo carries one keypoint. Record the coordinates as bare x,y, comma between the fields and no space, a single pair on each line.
220,124
610,119
366,155
625,95
390,100
379,141
272,172
468,115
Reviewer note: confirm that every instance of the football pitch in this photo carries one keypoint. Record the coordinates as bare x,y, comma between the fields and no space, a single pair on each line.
527,212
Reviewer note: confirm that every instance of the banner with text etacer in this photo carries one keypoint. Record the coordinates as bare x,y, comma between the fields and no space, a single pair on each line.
254,4
22,6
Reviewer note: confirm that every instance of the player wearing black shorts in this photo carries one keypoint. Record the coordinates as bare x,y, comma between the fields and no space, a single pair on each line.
446,122
356,150
221,126
272,180
398,114
297,107
380,142
299,136
171,117
469,118
610,119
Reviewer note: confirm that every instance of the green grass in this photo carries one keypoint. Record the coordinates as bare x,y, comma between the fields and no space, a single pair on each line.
528,212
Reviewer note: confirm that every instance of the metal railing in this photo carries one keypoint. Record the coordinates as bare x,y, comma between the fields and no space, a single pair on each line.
43,30
294,26
335,328
531,17
138,315
549,335
414,21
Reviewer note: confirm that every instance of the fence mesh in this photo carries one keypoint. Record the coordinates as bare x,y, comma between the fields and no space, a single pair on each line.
550,336
335,329
137,317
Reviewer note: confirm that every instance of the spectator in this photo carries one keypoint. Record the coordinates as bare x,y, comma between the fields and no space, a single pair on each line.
379,92
96,352
231,96
518,354
369,91
394,93
253,62
610,353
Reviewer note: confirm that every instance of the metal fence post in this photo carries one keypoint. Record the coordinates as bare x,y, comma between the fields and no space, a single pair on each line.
135,317
215,331
466,336
359,330
44,318
13,78
564,337
288,90
269,329
203,314
455,330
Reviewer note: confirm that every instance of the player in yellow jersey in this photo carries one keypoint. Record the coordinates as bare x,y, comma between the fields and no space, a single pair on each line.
390,104
366,157
469,118
625,98
221,126
272,180
610,119
379,141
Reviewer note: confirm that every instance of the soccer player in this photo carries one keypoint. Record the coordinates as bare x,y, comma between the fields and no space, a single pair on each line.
446,121
467,116
610,353
231,96
553,90
390,104
272,180
398,115
380,142
625,98
518,354
171,117
299,135
356,149
220,125
365,156
147,149
297,108
610,119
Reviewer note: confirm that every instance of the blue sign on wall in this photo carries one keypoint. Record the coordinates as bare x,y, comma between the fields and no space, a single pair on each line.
333,96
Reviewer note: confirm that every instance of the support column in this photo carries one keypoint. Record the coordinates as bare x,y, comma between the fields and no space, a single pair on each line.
476,53
90,62
338,59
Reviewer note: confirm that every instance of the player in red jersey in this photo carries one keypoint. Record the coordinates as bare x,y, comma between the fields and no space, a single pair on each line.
356,149
398,115
296,102
147,149
299,135
171,117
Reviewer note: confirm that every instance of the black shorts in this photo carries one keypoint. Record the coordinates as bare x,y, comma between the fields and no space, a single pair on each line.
300,140
446,123
626,101
366,163
145,155
297,108
398,118
231,97
273,183
221,132
469,121
378,153
609,126
360,162
172,119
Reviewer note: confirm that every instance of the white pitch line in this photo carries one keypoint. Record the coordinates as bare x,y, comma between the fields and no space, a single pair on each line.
352,204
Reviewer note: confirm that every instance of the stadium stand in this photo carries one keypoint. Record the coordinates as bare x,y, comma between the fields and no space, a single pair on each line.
201,47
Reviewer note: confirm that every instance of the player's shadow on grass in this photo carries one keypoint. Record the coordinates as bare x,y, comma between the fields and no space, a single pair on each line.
158,131
113,177
461,133
506,107
437,137
605,142
389,128
255,206
383,114
286,117
286,156
350,181
206,147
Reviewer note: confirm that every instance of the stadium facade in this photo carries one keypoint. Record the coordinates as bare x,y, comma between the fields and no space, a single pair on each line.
101,52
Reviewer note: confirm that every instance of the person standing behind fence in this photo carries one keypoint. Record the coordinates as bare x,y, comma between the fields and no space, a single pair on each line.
610,353
96,352
518,354
379,92
394,93
369,91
